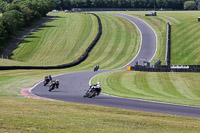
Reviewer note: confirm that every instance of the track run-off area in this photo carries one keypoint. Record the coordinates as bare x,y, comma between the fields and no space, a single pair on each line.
74,85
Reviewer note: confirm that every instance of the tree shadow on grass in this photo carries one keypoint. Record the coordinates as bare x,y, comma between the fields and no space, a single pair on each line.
31,36
24,41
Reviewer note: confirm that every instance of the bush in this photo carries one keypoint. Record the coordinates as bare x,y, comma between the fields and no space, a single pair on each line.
190,5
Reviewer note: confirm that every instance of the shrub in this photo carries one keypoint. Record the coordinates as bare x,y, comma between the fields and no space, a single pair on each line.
190,5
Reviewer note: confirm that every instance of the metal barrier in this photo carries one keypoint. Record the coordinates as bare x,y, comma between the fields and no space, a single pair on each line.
164,68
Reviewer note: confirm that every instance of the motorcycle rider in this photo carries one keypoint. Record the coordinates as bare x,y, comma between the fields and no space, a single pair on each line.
97,87
48,79
57,83
52,85
96,68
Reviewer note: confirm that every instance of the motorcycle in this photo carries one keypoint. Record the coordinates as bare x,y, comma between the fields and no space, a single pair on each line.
96,68
52,86
46,81
92,92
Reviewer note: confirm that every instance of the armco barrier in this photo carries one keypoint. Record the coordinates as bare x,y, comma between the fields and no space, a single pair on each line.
74,63
164,68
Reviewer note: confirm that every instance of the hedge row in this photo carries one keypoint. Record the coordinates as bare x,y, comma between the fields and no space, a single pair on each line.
168,45
74,63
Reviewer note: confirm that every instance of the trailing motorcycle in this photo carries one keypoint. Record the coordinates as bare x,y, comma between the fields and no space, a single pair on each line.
46,82
47,79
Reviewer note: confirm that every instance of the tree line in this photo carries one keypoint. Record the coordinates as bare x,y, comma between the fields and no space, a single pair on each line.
17,14
21,13
172,4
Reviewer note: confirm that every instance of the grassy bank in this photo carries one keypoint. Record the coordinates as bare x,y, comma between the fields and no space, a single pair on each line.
62,40
28,115
178,88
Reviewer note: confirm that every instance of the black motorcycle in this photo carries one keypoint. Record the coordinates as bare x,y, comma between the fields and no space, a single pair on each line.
96,68
52,86
46,81
92,92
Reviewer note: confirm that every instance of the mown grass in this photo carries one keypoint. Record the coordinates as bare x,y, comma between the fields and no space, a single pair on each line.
117,46
62,40
28,115
178,88
8,62
185,38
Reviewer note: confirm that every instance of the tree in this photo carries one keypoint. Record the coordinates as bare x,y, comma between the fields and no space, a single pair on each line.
190,5
3,6
8,1
3,32
13,21
65,4
198,4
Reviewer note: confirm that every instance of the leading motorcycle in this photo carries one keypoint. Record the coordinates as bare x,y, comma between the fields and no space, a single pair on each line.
52,86
93,91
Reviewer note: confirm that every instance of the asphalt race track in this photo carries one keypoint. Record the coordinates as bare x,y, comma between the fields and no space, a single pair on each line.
74,85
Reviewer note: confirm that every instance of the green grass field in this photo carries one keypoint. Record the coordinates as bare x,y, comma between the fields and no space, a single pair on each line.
178,88
28,115
120,38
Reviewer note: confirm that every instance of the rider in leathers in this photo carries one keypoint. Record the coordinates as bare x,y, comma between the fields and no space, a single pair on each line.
97,87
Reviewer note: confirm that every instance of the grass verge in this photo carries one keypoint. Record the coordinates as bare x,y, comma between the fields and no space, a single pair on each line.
29,115
178,88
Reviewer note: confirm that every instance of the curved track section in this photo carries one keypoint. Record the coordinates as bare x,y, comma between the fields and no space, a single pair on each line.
74,85
148,40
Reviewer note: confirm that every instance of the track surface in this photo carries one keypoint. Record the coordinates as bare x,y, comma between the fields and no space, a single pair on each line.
74,85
